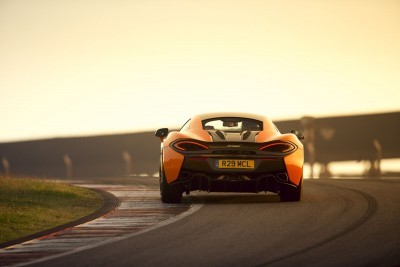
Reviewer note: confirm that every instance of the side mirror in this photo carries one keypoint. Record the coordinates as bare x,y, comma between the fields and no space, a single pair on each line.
162,133
299,134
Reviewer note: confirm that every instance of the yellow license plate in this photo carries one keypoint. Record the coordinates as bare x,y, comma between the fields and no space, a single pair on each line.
235,164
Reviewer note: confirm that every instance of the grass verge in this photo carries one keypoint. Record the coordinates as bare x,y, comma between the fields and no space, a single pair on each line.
28,206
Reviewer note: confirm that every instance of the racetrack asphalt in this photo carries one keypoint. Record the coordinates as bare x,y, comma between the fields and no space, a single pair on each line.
339,222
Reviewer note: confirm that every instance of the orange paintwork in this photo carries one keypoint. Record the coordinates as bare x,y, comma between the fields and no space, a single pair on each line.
268,132
289,146
294,162
178,145
294,165
172,162
190,134
196,130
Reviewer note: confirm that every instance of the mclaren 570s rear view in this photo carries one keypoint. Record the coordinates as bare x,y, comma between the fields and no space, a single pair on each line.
230,152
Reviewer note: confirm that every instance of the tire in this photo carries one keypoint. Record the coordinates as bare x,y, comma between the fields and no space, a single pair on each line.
291,194
169,193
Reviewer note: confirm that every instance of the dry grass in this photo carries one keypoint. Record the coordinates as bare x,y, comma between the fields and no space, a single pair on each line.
30,205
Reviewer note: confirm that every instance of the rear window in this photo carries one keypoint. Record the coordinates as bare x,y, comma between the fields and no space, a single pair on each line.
232,124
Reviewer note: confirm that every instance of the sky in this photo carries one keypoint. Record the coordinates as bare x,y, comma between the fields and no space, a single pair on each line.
86,67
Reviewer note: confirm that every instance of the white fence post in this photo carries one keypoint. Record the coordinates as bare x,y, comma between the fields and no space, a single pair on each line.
128,162
6,166
68,165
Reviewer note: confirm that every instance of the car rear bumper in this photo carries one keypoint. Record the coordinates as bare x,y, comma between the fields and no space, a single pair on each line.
233,183
201,172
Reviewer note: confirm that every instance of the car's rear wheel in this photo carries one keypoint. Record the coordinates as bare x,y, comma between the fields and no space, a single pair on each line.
291,194
169,193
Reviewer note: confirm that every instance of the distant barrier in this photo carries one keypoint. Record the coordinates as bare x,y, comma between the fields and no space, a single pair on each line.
367,138
95,156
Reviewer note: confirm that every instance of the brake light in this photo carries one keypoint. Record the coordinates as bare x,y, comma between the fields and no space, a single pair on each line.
278,147
189,146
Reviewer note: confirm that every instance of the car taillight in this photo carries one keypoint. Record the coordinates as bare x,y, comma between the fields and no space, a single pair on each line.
189,146
278,147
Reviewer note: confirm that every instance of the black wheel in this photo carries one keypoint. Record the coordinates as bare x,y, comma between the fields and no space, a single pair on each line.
169,193
291,194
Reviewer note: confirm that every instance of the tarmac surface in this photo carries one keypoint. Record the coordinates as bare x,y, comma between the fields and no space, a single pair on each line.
339,222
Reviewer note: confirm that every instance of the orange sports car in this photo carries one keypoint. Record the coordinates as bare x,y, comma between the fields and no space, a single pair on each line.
230,152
